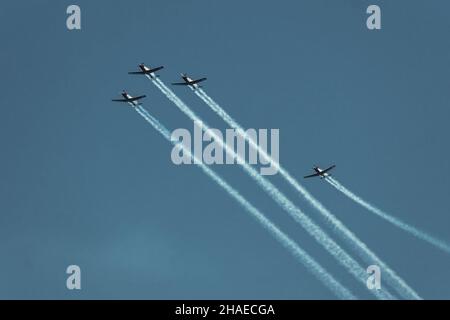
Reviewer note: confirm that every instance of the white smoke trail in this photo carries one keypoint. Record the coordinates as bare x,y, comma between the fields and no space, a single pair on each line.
314,230
395,221
337,226
314,267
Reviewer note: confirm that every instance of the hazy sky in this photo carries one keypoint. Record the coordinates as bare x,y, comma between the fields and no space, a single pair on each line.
87,181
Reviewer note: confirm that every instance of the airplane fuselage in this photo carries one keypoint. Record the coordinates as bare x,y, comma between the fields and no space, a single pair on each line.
320,172
146,70
189,81
128,97
132,101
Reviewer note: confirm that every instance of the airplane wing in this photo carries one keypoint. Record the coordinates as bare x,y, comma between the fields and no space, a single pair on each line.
156,69
312,175
197,81
146,72
136,98
120,100
328,169
180,83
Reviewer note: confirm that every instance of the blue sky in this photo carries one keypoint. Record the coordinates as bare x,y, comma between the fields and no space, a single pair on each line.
86,181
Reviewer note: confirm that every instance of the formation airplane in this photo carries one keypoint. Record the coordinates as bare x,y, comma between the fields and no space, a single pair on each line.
133,101
146,70
189,82
322,173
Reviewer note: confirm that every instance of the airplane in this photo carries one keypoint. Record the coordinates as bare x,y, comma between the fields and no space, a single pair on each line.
133,101
146,70
189,82
322,173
